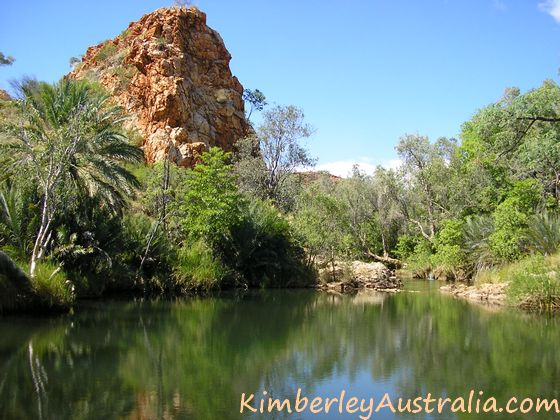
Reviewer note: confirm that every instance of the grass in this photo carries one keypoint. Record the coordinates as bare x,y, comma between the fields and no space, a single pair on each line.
534,282
49,290
198,269
107,51
124,74
51,286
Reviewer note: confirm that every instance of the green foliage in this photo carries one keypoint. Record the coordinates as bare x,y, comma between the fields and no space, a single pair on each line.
278,146
52,286
91,162
107,51
197,268
419,263
476,234
255,99
535,283
543,233
18,216
405,246
212,204
264,250
511,218
320,221
15,288
160,42
449,246
6,60
124,74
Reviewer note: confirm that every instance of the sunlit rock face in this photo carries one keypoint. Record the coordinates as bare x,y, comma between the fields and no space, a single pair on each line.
170,72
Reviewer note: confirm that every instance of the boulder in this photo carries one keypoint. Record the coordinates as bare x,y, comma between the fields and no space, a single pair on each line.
358,275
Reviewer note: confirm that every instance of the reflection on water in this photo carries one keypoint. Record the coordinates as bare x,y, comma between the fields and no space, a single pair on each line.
193,358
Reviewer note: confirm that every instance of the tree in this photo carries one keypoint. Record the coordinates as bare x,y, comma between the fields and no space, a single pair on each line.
6,60
426,168
70,141
267,161
255,99
74,61
321,220
517,137
212,204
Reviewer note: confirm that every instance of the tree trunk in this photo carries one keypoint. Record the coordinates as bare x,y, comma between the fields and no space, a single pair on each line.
391,263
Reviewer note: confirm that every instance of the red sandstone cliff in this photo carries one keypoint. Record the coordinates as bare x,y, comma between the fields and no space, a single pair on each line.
170,72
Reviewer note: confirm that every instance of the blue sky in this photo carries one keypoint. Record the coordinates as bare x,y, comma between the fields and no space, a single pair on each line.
365,72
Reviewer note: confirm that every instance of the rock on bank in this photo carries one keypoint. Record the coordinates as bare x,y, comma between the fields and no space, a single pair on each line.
357,275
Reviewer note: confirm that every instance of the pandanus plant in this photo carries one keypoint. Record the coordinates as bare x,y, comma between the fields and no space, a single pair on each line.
68,136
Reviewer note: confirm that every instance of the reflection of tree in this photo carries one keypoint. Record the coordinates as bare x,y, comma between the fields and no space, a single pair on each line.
194,358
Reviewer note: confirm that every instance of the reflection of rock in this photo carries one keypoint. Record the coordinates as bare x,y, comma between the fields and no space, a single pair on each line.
170,72
369,297
358,275
492,293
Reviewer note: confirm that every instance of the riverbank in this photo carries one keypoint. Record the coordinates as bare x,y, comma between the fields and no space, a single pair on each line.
492,294
532,283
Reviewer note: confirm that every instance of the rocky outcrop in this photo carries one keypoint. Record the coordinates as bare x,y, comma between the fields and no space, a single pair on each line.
4,96
170,72
490,293
358,275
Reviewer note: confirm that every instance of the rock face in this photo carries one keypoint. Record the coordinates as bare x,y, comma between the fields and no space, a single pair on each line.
358,275
170,72
4,96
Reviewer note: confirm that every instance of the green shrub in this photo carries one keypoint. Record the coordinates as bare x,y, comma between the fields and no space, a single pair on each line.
212,203
476,234
52,286
405,246
124,74
107,51
449,256
419,263
197,269
263,250
511,218
535,283
543,234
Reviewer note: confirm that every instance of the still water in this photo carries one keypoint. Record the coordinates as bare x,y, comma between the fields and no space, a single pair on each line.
194,358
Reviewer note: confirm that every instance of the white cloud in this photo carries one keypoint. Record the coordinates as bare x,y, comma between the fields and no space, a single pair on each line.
343,168
392,164
552,7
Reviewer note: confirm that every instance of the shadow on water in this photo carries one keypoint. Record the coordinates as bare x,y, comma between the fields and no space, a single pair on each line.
193,358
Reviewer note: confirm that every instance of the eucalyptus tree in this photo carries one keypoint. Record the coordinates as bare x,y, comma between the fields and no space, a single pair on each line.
70,139
387,201
267,161
426,168
359,198
518,137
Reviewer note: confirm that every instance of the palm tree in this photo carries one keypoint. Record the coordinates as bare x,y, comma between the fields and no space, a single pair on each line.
69,137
